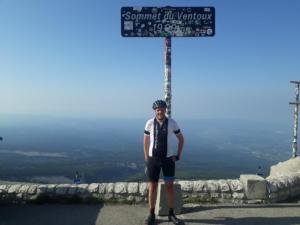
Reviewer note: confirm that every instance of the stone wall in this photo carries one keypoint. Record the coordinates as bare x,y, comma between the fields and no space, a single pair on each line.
210,190
102,192
284,180
283,187
213,191
247,189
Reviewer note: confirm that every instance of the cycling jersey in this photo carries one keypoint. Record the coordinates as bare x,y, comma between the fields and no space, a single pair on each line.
161,136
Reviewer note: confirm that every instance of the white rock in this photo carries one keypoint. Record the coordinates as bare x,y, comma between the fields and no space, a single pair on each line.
133,188
213,185
292,180
130,198
110,188
272,186
32,189
288,167
108,196
236,195
143,190
24,188
235,185
295,179
215,195
279,184
283,182
3,188
119,198
102,188
14,188
297,175
200,186
93,187
120,187
186,186
224,187
20,195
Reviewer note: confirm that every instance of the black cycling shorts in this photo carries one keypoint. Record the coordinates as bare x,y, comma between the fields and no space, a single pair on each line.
154,165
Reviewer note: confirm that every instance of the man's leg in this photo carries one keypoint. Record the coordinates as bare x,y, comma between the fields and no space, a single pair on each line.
168,168
170,193
169,176
153,170
152,194
170,199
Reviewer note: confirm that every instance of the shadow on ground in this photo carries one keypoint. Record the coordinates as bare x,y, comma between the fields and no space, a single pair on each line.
273,214
119,214
200,208
52,214
246,221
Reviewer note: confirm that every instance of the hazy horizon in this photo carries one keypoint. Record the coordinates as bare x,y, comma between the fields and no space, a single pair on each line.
47,149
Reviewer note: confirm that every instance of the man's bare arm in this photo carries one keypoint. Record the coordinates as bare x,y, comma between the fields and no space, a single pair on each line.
180,144
146,146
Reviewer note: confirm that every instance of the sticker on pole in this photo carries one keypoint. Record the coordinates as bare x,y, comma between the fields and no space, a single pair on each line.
167,21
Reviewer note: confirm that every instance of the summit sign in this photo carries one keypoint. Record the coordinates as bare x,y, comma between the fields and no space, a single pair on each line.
167,21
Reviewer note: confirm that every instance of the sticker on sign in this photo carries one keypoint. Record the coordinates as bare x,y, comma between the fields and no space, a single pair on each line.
167,21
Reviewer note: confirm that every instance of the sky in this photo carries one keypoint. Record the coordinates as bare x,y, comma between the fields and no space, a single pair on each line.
68,59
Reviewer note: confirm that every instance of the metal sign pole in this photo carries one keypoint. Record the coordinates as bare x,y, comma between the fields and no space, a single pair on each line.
167,22
296,111
167,80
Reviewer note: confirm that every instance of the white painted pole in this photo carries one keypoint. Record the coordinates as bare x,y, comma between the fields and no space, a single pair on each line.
296,113
167,76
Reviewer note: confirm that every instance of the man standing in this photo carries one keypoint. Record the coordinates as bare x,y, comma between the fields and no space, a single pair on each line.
159,155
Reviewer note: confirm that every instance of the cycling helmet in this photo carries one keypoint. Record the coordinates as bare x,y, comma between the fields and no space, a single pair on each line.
159,104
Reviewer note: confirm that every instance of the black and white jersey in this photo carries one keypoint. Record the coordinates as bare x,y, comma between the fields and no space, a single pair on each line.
161,137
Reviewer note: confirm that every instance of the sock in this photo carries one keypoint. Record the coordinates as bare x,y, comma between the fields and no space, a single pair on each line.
152,211
171,211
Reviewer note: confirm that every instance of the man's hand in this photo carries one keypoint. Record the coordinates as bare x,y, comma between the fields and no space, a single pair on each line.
175,158
180,145
146,167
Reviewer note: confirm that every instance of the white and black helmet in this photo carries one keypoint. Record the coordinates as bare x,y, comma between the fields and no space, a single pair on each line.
159,104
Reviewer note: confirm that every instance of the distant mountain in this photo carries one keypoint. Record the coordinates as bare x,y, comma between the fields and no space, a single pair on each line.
35,148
